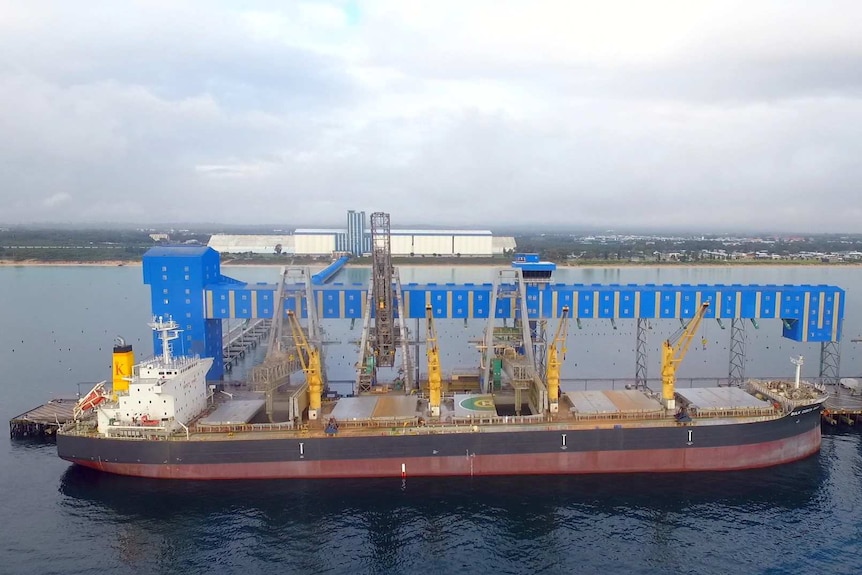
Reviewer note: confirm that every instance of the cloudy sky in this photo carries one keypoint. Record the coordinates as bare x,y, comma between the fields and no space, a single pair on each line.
727,115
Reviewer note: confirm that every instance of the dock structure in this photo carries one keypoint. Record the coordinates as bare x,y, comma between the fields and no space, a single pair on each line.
187,282
43,421
844,406
242,338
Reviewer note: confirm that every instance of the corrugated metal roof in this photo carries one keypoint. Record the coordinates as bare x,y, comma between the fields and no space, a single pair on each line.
176,251
409,232
397,232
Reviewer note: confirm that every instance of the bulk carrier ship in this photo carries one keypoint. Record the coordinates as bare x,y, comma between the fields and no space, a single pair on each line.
162,419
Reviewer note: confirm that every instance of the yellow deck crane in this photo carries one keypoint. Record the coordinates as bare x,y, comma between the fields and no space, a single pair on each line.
432,352
555,361
309,357
672,353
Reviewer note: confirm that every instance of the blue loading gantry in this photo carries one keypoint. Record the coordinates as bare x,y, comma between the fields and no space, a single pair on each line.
187,284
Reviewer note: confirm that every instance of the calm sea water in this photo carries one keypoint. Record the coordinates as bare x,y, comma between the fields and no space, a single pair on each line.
58,325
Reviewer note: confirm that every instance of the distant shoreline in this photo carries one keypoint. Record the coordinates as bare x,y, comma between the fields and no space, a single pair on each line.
71,263
628,265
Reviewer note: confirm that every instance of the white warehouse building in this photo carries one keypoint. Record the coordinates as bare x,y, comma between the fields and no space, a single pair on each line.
315,242
441,242
403,243
254,244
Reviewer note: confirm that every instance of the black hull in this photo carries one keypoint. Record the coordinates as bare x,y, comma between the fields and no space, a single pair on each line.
695,447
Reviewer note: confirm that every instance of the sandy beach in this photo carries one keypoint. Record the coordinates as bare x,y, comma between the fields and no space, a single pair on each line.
39,263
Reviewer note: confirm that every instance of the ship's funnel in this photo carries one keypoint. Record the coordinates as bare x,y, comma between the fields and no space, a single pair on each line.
124,359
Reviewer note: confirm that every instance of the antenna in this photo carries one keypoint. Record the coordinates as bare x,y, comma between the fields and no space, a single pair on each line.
168,330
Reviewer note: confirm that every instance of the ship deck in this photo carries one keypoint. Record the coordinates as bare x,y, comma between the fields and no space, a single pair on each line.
396,414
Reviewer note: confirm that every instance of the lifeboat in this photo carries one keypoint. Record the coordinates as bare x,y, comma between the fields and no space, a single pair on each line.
93,398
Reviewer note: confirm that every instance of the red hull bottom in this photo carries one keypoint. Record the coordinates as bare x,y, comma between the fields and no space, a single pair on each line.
728,458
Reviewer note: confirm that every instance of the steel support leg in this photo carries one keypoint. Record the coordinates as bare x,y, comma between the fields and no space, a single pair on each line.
830,358
641,354
736,373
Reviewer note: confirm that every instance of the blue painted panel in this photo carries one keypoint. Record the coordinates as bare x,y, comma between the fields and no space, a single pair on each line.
439,305
460,304
353,301
481,302
727,305
242,303
768,301
265,303
290,305
792,329
532,292
331,305
647,303
708,294
221,303
627,304
688,305
606,303
546,302
668,303
417,303
565,298
749,301
792,303
585,303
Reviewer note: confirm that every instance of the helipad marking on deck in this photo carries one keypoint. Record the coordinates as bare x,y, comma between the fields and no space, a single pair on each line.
478,403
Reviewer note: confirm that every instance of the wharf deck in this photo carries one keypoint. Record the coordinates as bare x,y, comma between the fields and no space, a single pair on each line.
42,421
844,406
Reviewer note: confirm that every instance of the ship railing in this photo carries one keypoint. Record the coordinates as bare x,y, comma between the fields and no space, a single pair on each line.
243,427
693,411
135,431
617,415
601,384
376,423
733,412
499,419
131,432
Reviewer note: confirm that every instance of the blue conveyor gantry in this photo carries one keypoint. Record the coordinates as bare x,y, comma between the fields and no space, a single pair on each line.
186,282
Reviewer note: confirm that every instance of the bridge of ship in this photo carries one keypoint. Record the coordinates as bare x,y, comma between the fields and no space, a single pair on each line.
187,284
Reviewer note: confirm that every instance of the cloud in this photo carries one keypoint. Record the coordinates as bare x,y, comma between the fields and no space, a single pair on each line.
56,200
668,114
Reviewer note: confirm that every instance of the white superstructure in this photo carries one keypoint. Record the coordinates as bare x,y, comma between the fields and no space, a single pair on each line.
165,392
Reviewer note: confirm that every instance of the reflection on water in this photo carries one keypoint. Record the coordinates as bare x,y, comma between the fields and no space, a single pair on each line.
474,524
799,518
790,486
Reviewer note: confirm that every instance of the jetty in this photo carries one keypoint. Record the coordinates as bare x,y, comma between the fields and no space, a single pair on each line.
42,422
844,406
